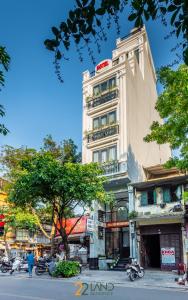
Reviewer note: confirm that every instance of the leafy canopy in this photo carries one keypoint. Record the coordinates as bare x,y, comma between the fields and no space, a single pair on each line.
63,187
86,23
172,106
4,65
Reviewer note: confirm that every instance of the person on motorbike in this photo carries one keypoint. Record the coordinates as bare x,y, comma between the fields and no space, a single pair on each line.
31,262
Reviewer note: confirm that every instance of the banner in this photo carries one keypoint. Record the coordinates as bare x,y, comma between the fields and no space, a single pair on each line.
168,256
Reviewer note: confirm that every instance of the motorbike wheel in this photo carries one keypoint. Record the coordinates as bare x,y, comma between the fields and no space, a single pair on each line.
132,276
3,270
38,271
141,273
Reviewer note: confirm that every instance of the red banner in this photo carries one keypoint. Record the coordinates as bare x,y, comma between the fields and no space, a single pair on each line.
80,226
1,222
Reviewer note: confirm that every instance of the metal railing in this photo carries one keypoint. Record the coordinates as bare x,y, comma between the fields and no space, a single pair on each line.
114,167
99,100
116,216
102,133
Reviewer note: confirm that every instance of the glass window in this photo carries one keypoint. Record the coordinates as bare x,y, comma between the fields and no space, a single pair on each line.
103,156
96,90
96,123
104,86
112,83
104,120
112,154
96,156
112,117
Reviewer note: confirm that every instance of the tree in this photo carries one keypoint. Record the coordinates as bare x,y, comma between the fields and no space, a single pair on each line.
16,218
172,106
86,23
4,65
11,160
63,187
66,151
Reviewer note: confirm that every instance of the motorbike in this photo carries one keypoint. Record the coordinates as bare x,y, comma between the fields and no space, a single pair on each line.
6,265
134,270
19,265
44,266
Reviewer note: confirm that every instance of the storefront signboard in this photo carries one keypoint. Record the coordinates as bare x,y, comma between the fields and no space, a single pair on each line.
117,224
90,225
168,256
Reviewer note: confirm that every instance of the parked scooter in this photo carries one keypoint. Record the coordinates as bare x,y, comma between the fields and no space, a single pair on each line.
134,270
6,265
44,266
19,265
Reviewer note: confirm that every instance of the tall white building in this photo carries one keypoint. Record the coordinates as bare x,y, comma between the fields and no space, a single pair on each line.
118,109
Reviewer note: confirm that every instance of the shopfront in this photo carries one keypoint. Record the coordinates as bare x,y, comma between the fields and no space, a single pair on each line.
161,246
117,241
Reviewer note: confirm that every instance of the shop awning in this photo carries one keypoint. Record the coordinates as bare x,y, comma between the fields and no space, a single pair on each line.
162,219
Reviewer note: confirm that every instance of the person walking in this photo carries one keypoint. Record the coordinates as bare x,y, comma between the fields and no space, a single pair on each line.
31,262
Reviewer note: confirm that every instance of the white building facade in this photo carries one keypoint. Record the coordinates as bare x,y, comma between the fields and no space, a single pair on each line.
118,109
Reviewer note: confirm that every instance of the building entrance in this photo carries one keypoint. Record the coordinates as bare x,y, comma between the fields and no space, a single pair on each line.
117,242
151,253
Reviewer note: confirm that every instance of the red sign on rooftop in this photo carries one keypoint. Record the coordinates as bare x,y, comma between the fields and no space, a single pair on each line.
103,65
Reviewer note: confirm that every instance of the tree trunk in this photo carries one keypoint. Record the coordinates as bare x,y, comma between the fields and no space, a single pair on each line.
53,249
6,246
66,247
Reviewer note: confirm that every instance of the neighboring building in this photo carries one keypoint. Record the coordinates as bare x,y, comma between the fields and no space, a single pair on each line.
118,109
158,231
20,240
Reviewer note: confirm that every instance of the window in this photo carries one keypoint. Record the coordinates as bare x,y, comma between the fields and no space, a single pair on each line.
172,194
101,216
104,86
105,155
22,235
148,197
112,154
96,156
96,123
100,233
107,119
104,121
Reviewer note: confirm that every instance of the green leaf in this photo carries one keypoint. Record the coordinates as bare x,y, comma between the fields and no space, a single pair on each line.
58,55
132,17
100,11
174,17
163,10
171,7
55,31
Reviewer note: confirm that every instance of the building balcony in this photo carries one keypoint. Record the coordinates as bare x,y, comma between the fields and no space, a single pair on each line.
114,168
117,216
102,133
103,98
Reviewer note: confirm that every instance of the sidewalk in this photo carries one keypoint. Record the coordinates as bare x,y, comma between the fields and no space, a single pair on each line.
151,279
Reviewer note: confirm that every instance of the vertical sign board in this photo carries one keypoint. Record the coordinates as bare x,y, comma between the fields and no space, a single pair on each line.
168,256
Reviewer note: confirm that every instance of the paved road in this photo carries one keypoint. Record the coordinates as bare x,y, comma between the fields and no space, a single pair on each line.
23,288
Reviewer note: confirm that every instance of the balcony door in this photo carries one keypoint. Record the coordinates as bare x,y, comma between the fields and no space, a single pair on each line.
124,243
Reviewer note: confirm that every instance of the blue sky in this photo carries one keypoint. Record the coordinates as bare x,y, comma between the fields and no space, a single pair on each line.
36,103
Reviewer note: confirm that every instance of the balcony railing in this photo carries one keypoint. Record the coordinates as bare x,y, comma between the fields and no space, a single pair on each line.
117,216
99,100
102,133
114,167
